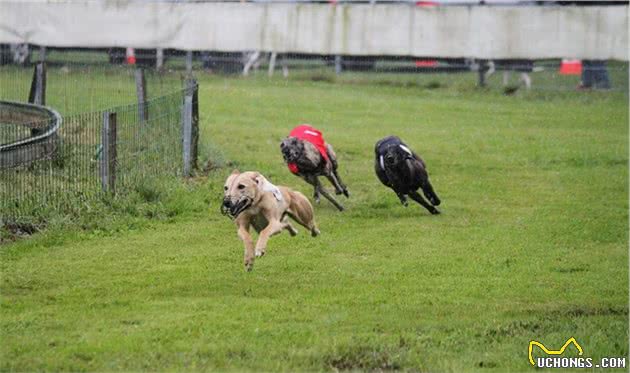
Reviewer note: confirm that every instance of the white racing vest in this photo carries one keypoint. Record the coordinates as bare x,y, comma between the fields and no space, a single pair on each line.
266,186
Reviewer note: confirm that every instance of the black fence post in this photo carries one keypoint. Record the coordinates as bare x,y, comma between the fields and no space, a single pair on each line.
37,94
141,92
194,87
108,158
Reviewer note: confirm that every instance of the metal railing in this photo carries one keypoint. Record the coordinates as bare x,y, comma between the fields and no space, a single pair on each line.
42,123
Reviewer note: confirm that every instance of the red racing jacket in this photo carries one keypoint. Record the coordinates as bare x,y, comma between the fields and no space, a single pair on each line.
307,133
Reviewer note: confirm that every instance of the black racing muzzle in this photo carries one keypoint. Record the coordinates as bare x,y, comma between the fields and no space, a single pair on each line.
232,210
390,159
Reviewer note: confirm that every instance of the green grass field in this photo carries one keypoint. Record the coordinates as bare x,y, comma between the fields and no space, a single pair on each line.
532,244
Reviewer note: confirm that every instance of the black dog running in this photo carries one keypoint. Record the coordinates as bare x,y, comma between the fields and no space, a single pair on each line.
401,169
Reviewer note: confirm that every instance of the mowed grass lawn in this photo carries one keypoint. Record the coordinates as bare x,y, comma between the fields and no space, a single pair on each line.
532,244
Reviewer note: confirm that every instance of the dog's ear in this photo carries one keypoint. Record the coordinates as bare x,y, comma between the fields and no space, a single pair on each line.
236,171
260,181
257,177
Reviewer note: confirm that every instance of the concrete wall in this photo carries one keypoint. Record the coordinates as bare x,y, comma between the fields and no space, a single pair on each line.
355,29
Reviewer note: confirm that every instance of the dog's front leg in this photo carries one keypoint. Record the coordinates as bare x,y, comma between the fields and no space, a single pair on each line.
274,227
314,182
243,234
320,189
403,199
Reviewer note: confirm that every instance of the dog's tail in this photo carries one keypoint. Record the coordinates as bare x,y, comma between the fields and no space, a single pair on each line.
302,211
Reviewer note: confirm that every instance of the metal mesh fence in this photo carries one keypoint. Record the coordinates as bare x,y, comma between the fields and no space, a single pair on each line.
63,169
68,174
152,147
80,81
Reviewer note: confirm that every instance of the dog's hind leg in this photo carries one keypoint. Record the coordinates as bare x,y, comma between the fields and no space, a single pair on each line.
418,198
310,225
301,211
428,191
340,187
289,227
343,186
333,180
333,176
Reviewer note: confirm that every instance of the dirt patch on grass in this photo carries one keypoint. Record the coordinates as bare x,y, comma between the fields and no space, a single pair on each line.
366,357
512,329
594,311
12,231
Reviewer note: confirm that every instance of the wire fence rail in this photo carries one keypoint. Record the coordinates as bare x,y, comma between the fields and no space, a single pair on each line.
86,156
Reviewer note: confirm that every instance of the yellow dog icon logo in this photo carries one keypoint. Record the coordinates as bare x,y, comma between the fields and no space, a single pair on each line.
553,352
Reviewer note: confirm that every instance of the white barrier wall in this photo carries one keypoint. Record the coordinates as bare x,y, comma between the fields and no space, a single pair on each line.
355,29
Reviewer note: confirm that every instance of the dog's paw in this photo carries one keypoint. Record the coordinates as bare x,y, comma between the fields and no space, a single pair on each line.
435,211
249,265
315,232
259,253
293,232
346,193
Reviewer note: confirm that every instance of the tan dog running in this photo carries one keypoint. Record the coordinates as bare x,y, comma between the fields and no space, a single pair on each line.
251,200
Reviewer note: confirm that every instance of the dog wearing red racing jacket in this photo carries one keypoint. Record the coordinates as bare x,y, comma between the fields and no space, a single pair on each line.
308,156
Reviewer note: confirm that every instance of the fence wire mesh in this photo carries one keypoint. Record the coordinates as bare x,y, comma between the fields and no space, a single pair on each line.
63,169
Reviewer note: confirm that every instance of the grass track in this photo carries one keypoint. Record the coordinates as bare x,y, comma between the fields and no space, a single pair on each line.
532,244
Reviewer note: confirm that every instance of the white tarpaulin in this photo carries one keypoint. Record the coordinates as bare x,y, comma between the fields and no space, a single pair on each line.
599,32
